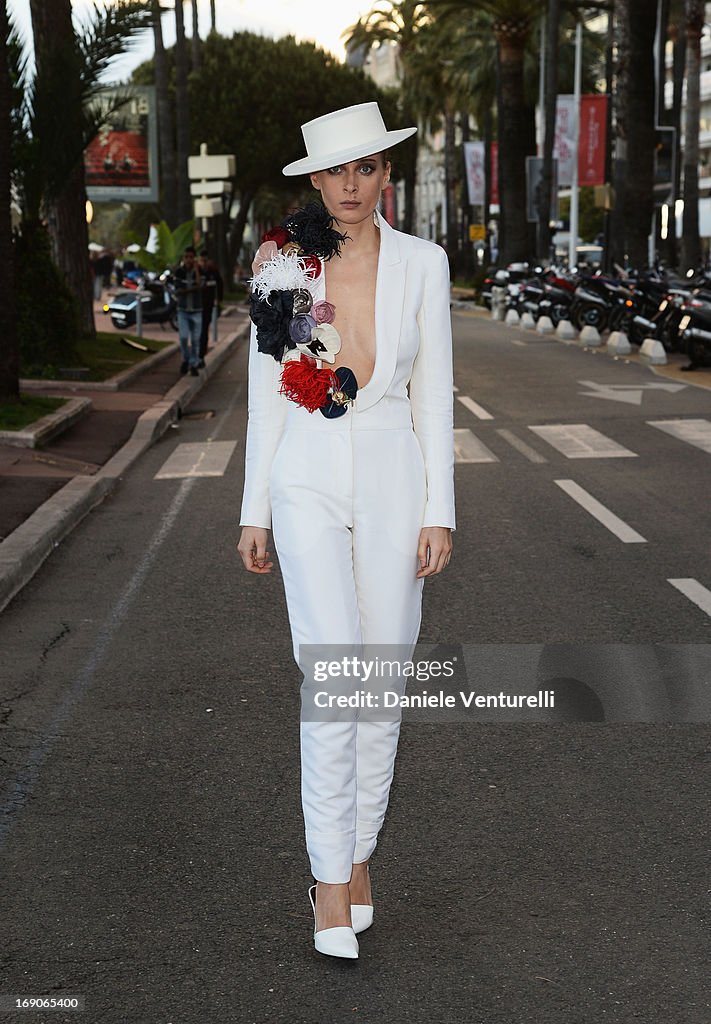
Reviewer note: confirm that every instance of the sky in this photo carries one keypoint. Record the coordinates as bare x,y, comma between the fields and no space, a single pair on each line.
321,21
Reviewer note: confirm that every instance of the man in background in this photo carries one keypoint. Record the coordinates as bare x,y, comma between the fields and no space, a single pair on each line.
212,292
188,297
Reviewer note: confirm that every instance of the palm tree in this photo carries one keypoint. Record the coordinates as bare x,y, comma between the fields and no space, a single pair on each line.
213,20
397,21
182,114
166,131
694,17
549,112
639,208
9,354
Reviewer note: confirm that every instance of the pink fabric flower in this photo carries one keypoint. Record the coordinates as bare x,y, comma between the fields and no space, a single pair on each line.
266,251
324,312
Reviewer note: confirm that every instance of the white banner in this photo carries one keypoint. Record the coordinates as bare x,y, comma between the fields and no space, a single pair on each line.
565,132
474,163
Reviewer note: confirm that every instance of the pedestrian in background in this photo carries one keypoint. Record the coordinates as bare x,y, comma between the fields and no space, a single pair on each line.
188,297
212,292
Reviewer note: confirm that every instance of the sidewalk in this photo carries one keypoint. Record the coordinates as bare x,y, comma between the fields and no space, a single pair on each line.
44,492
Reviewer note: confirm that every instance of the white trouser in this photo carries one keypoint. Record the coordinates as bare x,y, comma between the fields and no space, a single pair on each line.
348,498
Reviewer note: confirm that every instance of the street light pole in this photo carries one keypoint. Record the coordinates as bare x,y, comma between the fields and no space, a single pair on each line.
574,190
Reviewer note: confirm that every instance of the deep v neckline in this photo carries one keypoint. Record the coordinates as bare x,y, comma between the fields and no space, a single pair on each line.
376,361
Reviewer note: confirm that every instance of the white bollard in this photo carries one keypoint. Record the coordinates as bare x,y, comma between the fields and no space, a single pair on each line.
512,317
618,344
590,337
544,325
565,331
652,351
527,320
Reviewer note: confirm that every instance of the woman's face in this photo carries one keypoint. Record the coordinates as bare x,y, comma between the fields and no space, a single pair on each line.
351,191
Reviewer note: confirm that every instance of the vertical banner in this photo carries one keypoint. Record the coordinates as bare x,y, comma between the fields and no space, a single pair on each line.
121,163
564,144
593,140
494,192
474,164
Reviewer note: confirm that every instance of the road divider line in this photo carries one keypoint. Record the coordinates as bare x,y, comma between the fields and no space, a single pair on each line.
603,515
468,447
474,407
530,453
694,590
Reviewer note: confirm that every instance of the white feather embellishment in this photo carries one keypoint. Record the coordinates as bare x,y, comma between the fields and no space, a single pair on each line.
281,273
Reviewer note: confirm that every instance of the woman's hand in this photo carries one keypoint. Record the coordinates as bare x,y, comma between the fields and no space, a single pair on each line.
252,547
434,550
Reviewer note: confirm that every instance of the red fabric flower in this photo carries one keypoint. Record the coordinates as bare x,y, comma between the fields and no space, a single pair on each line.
278,235
312,265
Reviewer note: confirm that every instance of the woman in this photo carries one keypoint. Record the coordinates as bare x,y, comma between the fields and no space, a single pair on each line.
361,498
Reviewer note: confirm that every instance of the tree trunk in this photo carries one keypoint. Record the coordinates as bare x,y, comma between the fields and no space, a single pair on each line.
166,136
619,173
234,241
195,41
182,114
213,21
691,241
66,213
9,351
545,195
640,133
512,144
452,241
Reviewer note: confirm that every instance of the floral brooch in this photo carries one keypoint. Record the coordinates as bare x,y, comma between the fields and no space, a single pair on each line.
297,331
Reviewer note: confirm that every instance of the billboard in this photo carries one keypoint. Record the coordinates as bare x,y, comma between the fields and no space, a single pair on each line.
566,129
474,165
121,162
593,140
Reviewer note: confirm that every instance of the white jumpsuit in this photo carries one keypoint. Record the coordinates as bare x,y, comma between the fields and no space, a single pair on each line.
346,499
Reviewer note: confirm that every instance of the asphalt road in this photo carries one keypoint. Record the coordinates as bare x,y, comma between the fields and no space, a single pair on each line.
552,869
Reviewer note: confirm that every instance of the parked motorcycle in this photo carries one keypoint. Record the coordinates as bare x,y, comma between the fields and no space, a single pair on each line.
158,304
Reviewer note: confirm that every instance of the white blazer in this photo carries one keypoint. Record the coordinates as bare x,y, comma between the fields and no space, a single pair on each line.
413,350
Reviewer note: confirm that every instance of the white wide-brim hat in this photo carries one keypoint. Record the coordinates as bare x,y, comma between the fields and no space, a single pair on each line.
345,135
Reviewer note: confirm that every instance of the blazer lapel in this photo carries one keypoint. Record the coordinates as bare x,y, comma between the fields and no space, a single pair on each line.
389,299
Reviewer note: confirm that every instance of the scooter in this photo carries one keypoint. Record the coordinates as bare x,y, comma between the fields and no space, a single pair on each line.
158,304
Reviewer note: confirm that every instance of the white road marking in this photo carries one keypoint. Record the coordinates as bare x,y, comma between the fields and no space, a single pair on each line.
517,341
455,388
197,459
472,406
629,393
695,432
695,592
531,454
580,441
603,515
468,448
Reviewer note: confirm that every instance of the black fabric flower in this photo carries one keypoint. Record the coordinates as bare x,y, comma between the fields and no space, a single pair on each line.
312,229
272,317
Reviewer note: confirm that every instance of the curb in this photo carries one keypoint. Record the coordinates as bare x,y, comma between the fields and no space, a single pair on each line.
48,426
120,380
26,548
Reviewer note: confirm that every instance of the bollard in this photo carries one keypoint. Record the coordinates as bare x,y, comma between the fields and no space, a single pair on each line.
565,331
590,336
544,325
618,344
652,351
139,313
512,317
498,302
527,320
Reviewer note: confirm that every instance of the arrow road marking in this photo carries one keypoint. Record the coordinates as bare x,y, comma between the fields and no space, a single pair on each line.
603,515
629,393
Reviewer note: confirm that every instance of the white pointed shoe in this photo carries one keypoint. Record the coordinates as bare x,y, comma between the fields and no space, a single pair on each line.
361,916
339,941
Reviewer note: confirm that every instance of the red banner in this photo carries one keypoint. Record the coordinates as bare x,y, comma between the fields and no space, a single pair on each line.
494,191
593,138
